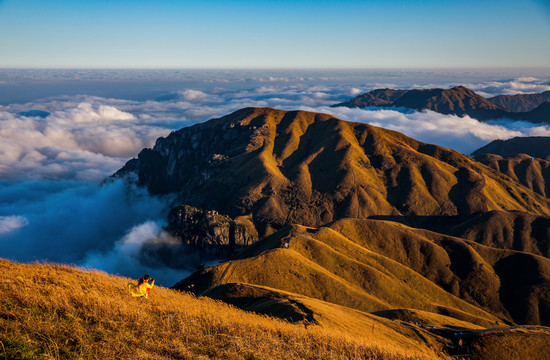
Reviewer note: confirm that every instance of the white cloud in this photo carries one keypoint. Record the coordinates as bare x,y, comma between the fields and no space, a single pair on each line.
12,223
128,255
190,95
521,85
527,79
354,92
464,134
78,139
90,137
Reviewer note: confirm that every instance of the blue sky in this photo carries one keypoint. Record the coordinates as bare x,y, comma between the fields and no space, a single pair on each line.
274,34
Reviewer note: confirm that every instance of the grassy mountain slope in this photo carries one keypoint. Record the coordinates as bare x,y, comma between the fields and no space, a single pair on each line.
373,265
508,230
531,172
281,168
52,311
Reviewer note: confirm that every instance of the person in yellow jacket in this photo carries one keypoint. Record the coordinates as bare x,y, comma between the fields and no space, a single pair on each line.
142,288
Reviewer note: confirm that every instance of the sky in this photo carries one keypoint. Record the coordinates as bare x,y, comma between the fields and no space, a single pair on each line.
274,34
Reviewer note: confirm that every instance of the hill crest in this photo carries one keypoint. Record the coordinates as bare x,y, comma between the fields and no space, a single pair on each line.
285,167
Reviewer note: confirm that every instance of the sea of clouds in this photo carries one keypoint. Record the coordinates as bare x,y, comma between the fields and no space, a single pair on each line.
57,148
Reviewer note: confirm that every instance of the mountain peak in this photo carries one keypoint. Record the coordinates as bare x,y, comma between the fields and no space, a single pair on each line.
458,100
284,167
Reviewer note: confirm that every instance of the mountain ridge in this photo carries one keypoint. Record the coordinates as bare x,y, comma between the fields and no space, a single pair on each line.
520,102
458,100
284,167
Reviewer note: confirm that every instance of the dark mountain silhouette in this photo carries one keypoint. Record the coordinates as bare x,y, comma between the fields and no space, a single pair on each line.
377,98
536,146
279,168
520,102
539,114
457,100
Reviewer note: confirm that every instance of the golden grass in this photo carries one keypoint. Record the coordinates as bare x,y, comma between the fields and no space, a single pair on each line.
368,265
531,343
55,311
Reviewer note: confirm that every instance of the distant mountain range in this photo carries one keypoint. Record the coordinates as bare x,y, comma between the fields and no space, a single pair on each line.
520,102
458,101
536,146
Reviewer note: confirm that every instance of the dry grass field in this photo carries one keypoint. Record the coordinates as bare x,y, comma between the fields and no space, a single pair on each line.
50,311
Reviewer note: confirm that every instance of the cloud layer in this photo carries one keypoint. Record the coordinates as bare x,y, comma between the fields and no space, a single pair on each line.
464,134
86,225
87,138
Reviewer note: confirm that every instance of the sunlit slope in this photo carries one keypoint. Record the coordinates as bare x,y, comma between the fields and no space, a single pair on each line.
525,169
310,311
52,311
441,333
297,167
511,230
374,265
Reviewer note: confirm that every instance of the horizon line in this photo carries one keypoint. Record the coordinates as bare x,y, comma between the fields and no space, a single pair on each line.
287,68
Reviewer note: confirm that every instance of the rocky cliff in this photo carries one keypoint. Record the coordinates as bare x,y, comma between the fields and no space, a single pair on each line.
213,234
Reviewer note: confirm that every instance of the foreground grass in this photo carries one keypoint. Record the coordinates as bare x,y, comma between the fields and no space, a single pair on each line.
54,311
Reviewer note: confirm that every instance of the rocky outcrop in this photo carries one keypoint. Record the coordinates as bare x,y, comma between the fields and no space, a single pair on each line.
213,234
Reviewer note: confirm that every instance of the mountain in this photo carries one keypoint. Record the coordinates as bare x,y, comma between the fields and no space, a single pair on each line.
511,230
525,169
457,100
375,265
536,146
377,98
276,168
520,102
539,114
360,229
